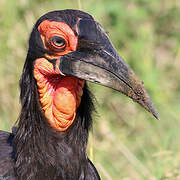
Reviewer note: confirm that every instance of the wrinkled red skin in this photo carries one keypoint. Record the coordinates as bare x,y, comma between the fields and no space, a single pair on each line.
48,29
59,95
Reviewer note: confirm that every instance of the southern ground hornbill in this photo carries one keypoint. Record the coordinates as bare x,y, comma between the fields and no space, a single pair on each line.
66,49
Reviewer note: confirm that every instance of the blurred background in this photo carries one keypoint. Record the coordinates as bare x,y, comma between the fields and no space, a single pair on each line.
126,143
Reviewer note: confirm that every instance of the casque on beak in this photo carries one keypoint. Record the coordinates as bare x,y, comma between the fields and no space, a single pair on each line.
96,60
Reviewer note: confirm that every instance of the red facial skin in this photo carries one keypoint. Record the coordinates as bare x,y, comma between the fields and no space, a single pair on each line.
59,95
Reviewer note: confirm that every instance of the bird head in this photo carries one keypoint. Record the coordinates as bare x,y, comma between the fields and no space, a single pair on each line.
67,48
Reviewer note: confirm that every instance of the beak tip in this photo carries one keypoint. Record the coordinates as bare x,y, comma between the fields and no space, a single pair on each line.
156,115
154,112
148,105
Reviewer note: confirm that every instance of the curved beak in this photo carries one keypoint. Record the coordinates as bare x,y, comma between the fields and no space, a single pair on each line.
96,60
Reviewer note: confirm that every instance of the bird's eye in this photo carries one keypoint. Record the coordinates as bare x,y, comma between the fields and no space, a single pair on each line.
58,42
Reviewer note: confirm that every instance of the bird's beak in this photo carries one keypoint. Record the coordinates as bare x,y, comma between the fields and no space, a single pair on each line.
102,64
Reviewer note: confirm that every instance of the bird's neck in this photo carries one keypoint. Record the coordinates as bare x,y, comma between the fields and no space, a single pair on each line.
40,151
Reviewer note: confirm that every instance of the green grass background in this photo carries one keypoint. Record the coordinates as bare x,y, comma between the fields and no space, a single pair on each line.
127,142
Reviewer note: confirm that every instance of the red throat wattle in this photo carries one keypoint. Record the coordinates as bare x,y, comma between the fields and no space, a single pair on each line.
59,95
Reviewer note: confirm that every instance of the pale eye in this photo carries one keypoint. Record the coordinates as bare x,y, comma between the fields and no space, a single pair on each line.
58,41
